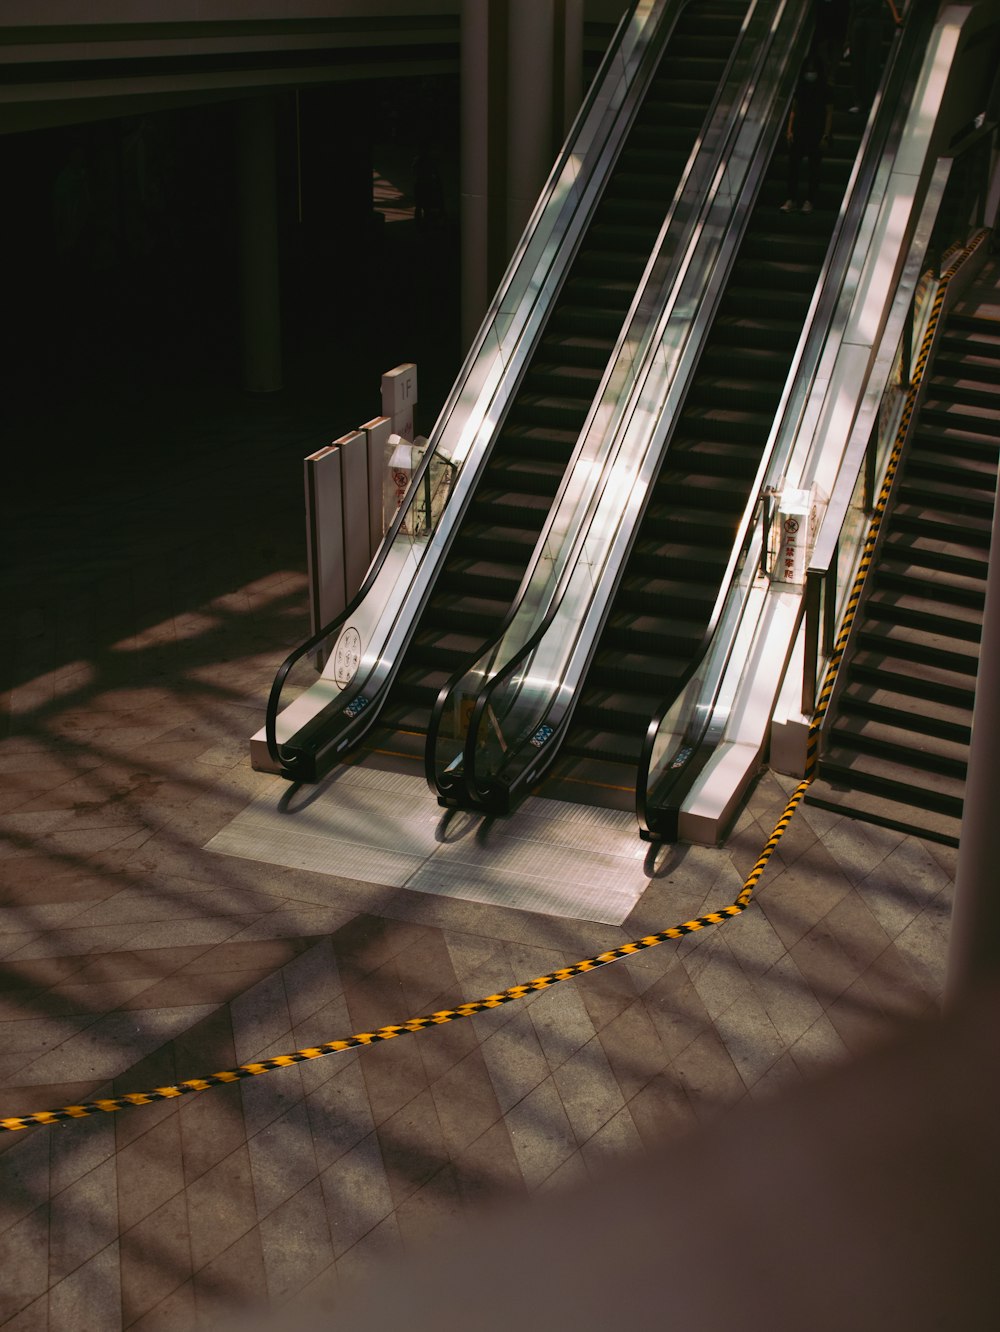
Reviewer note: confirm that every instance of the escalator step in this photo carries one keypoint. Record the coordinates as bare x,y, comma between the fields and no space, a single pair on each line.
578,349
730,457
479,614
548,377
529,440
551,409
771,274
589,741
721,494
755,328
759,394
686,599
649,638
722,423
513,541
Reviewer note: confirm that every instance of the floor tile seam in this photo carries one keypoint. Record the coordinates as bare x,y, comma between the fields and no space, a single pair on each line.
454,1156
114,1012
919,981
545,1041
379,1120
915,896
885,915
332,998
761,899
810,1071
771,1063
263,1216
33,1057
374,1226
52,1285
802,987
823,991
581,1142
48,1261
123,945
534,1189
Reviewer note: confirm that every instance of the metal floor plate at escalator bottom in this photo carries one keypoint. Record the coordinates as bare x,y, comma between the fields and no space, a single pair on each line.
363,823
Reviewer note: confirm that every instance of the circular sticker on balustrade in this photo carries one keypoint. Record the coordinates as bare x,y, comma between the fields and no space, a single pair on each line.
347,657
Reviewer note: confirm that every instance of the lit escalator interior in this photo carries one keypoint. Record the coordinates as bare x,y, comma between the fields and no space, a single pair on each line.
487,561
896,750
661,610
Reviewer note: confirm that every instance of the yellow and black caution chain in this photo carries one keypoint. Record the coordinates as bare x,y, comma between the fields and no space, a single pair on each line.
112,1103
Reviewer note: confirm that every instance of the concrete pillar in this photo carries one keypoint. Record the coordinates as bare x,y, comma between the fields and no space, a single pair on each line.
475,163
530,145
571,14
974,952
259,246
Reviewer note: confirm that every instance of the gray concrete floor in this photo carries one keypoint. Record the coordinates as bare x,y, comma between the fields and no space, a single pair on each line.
146,604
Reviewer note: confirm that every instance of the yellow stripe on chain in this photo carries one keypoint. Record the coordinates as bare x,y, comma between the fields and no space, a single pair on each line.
112,1103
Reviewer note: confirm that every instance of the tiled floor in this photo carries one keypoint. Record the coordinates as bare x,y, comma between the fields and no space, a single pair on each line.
149,600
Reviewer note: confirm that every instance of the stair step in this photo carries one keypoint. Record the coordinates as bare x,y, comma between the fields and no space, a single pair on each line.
914,518
880,738
901,709
936,557
898,643
933,624
918,587
932,683
894,781
869,807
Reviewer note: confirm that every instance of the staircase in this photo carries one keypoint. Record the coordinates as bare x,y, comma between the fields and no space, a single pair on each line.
896,746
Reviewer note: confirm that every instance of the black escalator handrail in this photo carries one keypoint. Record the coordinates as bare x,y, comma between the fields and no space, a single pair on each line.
482,792
289,763
440,783
271,718
895,74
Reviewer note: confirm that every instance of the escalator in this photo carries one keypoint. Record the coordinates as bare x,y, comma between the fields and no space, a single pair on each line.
480,578
896,746
662,606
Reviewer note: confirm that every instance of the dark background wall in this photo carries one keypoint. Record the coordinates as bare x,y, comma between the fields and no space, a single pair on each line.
121,245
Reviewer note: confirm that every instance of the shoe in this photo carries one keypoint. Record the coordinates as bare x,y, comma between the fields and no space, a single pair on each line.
807,207
789,206
854,110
